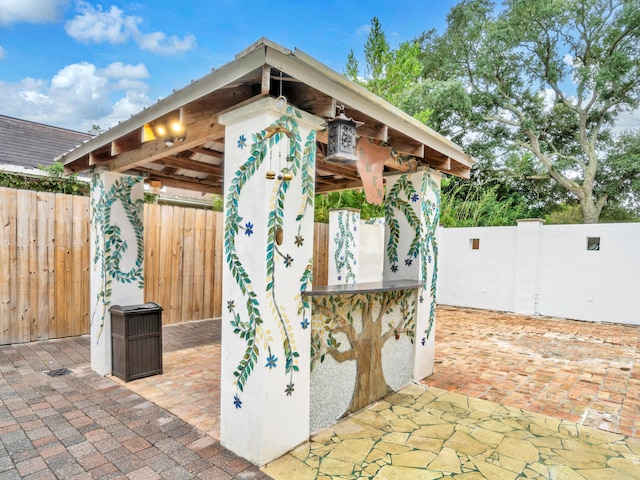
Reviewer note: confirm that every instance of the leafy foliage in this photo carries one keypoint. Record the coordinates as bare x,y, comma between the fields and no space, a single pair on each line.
345,199
53,180
469,204
545,77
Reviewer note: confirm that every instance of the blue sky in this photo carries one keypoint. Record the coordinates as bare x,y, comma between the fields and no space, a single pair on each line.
76,63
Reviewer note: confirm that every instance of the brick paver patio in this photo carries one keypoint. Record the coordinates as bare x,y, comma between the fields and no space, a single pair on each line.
587,373
81,425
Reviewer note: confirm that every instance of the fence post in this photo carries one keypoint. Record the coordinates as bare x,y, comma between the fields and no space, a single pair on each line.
528,239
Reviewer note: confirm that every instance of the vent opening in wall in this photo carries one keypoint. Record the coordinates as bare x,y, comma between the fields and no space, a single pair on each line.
475,243
593,243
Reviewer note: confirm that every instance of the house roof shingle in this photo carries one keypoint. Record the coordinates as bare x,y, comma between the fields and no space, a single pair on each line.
29,144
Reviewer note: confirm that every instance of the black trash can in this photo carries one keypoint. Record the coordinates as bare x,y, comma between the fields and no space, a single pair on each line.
136,340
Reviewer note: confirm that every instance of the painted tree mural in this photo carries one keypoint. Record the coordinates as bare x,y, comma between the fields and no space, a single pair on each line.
359,318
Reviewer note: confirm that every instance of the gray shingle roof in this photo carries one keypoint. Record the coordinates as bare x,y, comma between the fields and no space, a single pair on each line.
29,144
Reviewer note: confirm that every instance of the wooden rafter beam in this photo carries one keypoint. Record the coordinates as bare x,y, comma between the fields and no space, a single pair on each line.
336,186
208,152
192,165
197,135
336,169
189,183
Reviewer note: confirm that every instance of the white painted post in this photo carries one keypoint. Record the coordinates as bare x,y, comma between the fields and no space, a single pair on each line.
117,256
528,238
344,242
371,250
412,251
268,249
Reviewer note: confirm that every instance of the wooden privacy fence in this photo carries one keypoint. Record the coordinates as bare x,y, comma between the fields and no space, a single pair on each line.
45,264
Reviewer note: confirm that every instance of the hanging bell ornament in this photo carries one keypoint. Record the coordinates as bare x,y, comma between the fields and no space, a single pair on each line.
287,177
271,175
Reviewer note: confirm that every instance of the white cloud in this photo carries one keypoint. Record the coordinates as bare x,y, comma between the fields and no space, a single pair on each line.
113,26
78,96
119,70
157,42
628,121
30,11
2,53
363,29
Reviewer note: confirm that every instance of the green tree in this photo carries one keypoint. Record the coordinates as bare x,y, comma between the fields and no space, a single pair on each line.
95,130
394,75
345,199
549,77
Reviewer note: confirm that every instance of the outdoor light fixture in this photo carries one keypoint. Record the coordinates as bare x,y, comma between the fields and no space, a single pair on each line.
172,133
341,144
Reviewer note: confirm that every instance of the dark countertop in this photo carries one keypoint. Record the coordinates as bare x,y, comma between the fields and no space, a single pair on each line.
370,287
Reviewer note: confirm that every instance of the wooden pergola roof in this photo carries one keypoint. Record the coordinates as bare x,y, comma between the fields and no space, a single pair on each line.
197,163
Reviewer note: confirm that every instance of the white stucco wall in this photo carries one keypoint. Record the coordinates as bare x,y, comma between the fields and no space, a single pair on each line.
566,280
590,285
482,278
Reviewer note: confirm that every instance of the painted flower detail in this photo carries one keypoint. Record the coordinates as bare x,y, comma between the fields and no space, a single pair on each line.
304,324
408,262
429,258
299,240
424,340
288,260
415,197
289,389
394,268
421,298
237,402
231,305
242,142
248,229
271,360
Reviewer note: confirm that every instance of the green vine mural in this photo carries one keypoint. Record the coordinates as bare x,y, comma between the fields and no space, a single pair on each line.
394,202
300,162
429,249
343,256
109,244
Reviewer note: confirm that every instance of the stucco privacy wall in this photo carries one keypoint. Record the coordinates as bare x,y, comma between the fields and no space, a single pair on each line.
570,281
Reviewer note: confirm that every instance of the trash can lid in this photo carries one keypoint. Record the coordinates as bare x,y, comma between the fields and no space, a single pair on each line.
144,307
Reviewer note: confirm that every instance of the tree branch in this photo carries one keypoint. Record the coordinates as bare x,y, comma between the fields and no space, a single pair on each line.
339,356
343,324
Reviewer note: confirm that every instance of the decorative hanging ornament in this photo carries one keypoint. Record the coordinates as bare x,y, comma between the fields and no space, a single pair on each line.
341,143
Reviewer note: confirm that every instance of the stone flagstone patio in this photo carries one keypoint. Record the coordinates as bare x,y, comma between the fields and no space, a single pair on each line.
427,433
578,374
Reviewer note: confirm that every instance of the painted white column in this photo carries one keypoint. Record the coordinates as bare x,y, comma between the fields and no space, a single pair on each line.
344,243
117,256
413,214
371,250
268,250
528,237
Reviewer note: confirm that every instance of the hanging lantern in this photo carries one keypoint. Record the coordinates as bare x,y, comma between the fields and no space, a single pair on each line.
341,143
